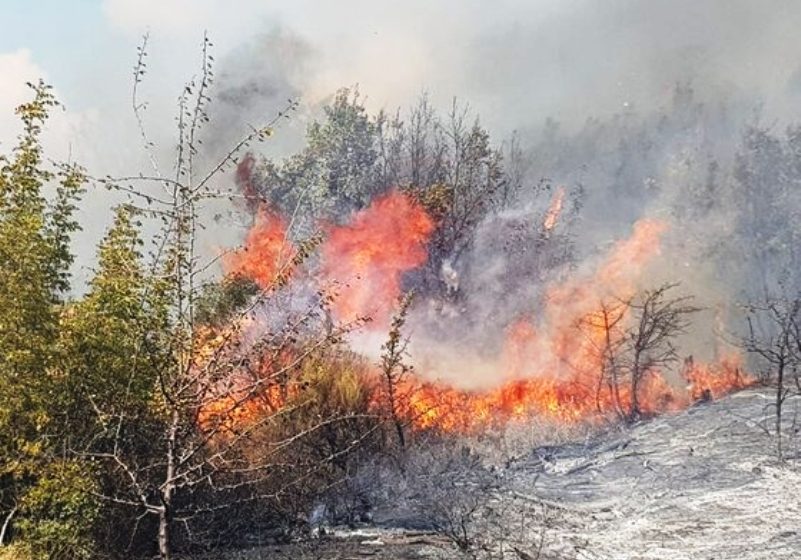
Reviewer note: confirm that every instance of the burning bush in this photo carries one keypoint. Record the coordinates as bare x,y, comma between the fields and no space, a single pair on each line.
312,432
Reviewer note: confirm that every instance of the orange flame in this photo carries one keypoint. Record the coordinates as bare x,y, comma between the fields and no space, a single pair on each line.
553,369
712,381
565,400
554,210
246,396
266,251
369,255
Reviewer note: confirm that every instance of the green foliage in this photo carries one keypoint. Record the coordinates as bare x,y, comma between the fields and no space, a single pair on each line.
218,301
335,172
59,512
446,163
34,275
109,341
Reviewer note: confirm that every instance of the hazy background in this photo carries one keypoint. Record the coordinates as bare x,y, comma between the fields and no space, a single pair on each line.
516,63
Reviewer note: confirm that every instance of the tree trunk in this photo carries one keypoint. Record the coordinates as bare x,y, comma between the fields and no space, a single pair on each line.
165,545
393,408
401,435
612,380
168,490
6,525
634,409
616,394
779,402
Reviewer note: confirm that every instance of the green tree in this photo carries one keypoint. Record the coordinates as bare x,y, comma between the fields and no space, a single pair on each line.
109,336
336,172
111,350
34,277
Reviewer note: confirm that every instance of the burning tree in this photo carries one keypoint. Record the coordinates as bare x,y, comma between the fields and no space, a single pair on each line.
351,159
634,340
451,166
608,320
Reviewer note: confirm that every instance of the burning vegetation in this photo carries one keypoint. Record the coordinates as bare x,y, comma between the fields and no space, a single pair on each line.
593,348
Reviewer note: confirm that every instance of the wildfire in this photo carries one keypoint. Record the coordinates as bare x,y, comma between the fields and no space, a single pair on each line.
555,365
559,351
240,398
707,381
433,406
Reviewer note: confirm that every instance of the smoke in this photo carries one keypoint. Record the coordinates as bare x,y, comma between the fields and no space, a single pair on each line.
516,62
594,59
520,62
254,82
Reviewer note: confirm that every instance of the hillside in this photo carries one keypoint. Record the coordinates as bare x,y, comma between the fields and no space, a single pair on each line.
700,484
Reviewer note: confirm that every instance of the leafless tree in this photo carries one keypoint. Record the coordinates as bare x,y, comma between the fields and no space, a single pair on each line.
632,338
657,320
774,336
609,321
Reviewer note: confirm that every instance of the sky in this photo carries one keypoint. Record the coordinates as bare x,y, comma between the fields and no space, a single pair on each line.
515,61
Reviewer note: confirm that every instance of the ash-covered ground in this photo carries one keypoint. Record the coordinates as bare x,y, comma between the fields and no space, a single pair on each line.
701,484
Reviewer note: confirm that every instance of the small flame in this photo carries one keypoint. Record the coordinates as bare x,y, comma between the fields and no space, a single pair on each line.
554,210
712,381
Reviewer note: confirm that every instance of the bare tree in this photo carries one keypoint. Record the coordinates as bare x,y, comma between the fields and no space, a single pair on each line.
610,322
633,338
774,336
229,402
657,320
